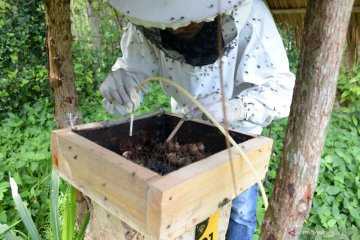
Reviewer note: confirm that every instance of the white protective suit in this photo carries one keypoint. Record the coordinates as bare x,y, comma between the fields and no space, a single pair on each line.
255,67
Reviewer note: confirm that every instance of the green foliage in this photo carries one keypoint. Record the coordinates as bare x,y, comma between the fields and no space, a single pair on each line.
54,206
25,110
69,215
92,65
23,76
91,61
69,227
154,99
25,155
23,211
276,131
7,231
288,36
337,195
81,233
26,114
349,88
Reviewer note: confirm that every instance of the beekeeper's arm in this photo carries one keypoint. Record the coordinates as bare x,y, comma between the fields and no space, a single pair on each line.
137,63
266,88
265,65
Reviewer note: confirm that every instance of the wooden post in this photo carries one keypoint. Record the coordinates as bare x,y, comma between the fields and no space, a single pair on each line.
326,23
61,71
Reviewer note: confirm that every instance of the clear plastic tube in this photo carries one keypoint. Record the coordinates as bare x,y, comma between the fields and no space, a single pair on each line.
131,124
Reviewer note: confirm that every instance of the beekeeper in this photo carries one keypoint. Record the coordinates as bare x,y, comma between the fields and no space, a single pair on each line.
178,39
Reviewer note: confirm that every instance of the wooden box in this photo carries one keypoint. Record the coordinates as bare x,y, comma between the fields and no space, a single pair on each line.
160,207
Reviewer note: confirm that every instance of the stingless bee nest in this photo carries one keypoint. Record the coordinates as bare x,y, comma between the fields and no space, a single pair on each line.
163,157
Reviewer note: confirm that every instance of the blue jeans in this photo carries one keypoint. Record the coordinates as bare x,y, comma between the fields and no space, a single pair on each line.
242,222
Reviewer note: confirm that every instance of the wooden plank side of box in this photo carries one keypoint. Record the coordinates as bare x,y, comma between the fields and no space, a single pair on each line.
195,192
115,183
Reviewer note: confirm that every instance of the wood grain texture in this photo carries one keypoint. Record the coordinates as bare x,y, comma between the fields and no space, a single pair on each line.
326,24
194,192
60,62
159,207
115,183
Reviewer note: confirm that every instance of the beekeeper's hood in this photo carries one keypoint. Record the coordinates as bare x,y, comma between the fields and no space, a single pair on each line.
177,13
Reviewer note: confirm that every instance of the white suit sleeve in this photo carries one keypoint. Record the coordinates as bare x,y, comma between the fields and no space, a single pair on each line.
263,69
139,58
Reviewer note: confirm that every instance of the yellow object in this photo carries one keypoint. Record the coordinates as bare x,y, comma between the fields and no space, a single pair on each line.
208,229
216,123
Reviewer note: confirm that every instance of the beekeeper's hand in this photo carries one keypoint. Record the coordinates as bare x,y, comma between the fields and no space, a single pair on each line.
119,93
235,109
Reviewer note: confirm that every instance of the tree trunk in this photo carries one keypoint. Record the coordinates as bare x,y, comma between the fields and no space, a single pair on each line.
326,23
61,72
60,62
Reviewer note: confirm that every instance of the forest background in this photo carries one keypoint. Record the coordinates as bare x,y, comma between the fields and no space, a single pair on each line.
26,116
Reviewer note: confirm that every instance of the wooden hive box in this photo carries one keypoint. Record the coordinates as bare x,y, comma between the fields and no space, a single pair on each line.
160,207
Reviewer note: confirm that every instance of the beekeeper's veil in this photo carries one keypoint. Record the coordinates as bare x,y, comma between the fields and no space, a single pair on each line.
177,13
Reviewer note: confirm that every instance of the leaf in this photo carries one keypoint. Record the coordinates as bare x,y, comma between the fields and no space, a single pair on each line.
323,219
9,234
23,211
331,223
260,215
354,213
328,166
335,205
3,188
3,228
29,155
83,227
69,215
65,225
54,206
333,190
318,237
339,178
314,219
18,178
72,211
2,156
347,204
11,115
339,144
338,162
340,152
330,158
20,164
319,190
329,199
3,216
355,237
355,120
34,166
